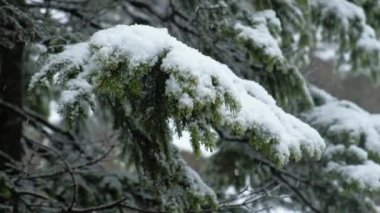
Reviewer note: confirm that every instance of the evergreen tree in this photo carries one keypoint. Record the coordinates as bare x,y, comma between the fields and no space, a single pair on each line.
130,75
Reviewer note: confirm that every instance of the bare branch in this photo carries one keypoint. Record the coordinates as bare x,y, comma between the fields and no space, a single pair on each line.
68,168
280,178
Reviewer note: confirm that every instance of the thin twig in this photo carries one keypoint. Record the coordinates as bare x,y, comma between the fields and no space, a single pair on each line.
295,190
73,168
30,115
114,204
68,168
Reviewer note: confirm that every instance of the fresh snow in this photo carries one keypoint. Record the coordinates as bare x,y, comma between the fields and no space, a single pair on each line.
259,34
343,117
359,153
326,51
267,17
366,176
144,45
320,94
261,37
73,56
345,10
332,150
140,44
349,14
368,40
356,134
77,87
375,118
340,149
198,186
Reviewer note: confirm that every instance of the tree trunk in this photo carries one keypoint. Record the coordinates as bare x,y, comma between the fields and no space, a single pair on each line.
10,91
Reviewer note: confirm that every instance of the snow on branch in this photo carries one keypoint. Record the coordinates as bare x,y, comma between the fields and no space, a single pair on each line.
260,35
265,23
200,93
344,11
358,44
353,137
364,176
320,96
344,122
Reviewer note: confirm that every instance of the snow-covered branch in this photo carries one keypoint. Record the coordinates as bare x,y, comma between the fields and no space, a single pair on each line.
199,91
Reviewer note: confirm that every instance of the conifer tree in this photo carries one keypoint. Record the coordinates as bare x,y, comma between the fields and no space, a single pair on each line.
227,73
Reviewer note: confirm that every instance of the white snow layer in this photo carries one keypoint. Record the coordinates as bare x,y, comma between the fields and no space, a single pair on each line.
351,127
343,117
143,45
197,184
325,53
345,10
339,149
366,176
260,34
321,94
368,40
267,17
350,15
